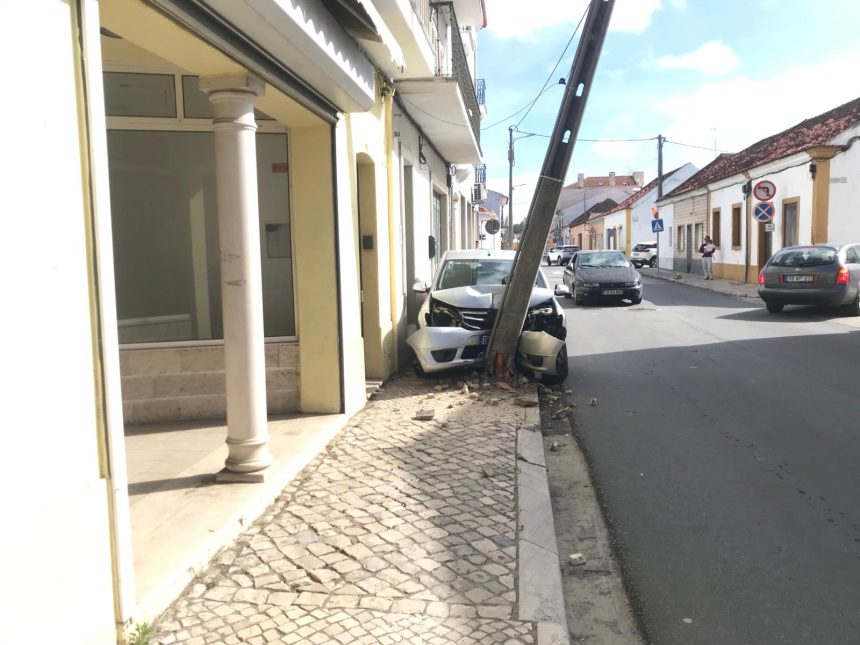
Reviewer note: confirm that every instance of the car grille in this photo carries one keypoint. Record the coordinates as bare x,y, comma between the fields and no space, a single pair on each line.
477,319
613,285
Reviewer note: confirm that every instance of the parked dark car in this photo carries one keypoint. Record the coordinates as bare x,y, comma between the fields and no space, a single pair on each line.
602,274
825,274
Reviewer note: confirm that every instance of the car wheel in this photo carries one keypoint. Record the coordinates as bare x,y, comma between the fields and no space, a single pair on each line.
653,263
854,307
577,298
774,308
561,368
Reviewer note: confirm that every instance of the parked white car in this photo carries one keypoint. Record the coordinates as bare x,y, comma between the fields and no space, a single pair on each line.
457,317
644,253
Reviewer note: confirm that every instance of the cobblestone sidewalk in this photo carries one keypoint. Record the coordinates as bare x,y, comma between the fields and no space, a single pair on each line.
401,531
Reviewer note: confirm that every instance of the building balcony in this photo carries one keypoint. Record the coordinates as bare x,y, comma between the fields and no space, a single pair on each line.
436,83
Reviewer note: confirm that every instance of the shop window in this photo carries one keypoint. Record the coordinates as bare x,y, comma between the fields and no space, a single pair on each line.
165,229
139,95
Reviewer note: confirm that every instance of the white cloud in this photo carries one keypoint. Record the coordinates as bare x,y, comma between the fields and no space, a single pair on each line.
509,20
678,4
712,58
745,110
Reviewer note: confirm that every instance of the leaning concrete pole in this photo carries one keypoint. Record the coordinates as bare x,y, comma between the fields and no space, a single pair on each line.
512,313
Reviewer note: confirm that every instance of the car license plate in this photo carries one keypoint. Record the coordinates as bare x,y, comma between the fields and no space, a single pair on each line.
613,292
800,278
485,339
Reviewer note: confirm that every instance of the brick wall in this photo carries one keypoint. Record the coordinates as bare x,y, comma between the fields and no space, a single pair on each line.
186,383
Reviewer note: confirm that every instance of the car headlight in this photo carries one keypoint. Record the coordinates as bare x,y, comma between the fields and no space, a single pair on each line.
442,315
631,284
583,283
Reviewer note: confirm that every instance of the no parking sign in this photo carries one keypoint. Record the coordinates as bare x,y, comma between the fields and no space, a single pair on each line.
764,212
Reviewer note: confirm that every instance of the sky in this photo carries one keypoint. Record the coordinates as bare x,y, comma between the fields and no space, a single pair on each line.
706,74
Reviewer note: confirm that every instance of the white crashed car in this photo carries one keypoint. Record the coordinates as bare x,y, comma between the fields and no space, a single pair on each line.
457,317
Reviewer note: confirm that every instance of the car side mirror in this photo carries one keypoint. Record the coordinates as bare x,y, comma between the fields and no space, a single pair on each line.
561,290
420,287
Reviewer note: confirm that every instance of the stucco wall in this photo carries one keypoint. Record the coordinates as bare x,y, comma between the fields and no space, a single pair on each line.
844,211
58,535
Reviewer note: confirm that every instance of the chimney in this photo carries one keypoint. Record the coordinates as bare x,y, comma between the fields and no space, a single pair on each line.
639,178
580,180
612,179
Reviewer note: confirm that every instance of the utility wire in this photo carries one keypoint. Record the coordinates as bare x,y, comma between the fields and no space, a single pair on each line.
557,63
546,85
690,145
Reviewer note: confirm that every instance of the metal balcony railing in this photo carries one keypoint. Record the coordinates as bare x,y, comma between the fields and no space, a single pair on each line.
480,91
440,26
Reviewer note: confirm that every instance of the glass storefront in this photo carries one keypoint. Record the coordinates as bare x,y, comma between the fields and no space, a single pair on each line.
165,221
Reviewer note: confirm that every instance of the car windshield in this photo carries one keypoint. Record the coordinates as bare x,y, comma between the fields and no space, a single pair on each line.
804,256
467,273
603,260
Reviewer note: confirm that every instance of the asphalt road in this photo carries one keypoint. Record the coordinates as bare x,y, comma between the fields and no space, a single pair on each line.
725,447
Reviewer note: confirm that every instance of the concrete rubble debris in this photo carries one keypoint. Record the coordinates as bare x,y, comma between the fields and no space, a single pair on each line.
576,559
527,401
593,403
555,447
425,415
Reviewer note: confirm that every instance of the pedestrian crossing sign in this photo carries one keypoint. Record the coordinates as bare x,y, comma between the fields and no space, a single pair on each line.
656,225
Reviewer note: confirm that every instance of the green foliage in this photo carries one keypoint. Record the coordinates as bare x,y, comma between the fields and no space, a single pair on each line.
141,634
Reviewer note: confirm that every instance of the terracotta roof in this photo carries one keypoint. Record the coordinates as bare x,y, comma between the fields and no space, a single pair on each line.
600,182
601,208
817,131
635,197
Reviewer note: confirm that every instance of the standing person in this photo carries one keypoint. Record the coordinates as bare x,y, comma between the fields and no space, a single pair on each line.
707,250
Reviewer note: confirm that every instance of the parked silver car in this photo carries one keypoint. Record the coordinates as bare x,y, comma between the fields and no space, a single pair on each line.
457,317
825,274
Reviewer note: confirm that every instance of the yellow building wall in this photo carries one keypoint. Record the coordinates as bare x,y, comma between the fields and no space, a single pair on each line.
315,269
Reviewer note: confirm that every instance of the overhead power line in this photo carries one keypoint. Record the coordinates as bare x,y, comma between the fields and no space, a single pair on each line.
546,86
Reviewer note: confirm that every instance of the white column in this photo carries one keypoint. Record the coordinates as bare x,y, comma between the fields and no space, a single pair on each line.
233,101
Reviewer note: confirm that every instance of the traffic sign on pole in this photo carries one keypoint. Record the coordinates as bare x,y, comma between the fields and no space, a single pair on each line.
764,190
656,225
764,212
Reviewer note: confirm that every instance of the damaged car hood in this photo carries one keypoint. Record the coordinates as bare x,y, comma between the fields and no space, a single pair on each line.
485,296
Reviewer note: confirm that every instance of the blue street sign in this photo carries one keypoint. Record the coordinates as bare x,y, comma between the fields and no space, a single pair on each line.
656,225
764,212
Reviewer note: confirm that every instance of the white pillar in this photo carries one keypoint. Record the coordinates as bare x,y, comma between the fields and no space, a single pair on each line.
233,101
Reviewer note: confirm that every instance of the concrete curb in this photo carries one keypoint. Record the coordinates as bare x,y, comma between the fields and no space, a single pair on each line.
540,594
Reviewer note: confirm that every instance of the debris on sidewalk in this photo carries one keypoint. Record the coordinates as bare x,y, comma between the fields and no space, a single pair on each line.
526,401
425,415
558,414
555,447
576,559
593,403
